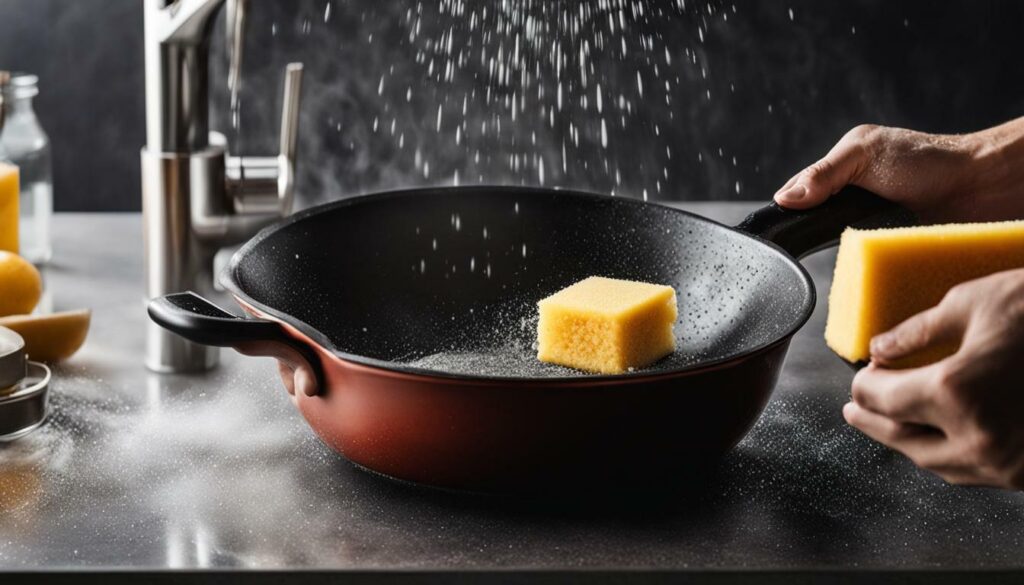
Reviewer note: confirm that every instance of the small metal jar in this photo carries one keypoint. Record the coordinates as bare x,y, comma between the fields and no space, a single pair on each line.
24,386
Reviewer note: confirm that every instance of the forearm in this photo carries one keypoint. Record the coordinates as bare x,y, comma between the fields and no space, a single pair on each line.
998,170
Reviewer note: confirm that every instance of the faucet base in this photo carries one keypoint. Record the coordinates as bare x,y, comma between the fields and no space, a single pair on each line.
181,234
166,353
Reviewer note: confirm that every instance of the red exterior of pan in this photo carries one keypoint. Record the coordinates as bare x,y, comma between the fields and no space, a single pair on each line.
498,435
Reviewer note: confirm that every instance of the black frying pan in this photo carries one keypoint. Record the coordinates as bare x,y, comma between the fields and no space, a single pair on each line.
416,311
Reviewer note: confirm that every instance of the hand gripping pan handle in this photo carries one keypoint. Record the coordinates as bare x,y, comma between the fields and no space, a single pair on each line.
197,319
802,232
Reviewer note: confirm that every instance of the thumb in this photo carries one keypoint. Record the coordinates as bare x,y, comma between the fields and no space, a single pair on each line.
305,381
840,167
938,328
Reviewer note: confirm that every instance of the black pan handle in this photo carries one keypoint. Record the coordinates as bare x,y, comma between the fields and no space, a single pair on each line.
197,319
805,231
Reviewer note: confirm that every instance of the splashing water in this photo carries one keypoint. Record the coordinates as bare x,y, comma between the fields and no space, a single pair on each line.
518,91
545,64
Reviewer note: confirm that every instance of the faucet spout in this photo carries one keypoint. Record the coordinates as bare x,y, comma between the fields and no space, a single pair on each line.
183,21
177,38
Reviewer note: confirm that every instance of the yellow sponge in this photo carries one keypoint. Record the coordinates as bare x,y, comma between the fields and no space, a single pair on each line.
884,276
607,325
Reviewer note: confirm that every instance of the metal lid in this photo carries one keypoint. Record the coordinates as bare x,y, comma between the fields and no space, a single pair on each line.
25,409
12,360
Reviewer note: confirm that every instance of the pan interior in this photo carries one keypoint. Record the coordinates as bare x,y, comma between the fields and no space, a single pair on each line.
447,280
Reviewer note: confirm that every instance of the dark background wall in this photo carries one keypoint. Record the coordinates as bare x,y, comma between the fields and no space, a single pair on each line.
699,99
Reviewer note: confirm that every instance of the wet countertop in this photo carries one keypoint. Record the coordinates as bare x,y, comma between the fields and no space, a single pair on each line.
136,471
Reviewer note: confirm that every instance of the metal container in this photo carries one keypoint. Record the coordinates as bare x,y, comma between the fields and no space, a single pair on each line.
12,360
24,387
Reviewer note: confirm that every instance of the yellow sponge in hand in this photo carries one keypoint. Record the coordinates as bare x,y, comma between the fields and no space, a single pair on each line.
884,276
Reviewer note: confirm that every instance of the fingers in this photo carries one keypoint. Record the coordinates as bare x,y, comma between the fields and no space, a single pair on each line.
287,376
902,395
785,191
295,371
924,445
840,167
879,427
941,325
299,379
305,381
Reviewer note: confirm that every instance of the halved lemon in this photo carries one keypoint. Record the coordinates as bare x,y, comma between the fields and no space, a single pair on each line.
51,337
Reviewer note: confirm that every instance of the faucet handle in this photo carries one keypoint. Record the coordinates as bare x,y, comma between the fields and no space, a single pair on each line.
266,184
235,38
289,134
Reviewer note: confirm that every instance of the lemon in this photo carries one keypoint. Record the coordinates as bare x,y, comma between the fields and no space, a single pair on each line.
50,337
20,285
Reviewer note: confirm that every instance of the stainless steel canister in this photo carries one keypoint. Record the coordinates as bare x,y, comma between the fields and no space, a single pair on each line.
24,387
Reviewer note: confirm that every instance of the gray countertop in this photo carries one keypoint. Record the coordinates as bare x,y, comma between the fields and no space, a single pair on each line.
136,470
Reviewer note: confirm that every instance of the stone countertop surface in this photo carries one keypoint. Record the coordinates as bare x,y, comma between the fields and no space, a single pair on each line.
141,471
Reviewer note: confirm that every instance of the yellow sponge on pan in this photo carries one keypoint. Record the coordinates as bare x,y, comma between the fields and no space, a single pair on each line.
884,276
607,325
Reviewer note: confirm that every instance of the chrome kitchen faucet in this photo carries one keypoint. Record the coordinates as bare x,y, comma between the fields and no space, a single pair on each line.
196,199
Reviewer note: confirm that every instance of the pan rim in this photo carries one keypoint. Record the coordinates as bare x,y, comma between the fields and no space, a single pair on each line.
227,278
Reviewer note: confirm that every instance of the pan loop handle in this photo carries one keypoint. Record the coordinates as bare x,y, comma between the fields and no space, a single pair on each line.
197,319
802,232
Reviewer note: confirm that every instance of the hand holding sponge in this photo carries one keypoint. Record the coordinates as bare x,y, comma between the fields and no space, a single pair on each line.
885,276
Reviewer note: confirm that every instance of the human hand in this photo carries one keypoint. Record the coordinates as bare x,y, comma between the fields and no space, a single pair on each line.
291,365
297,379
942,178
959,418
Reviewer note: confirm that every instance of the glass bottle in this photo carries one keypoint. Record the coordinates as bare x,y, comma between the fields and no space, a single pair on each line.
25,144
